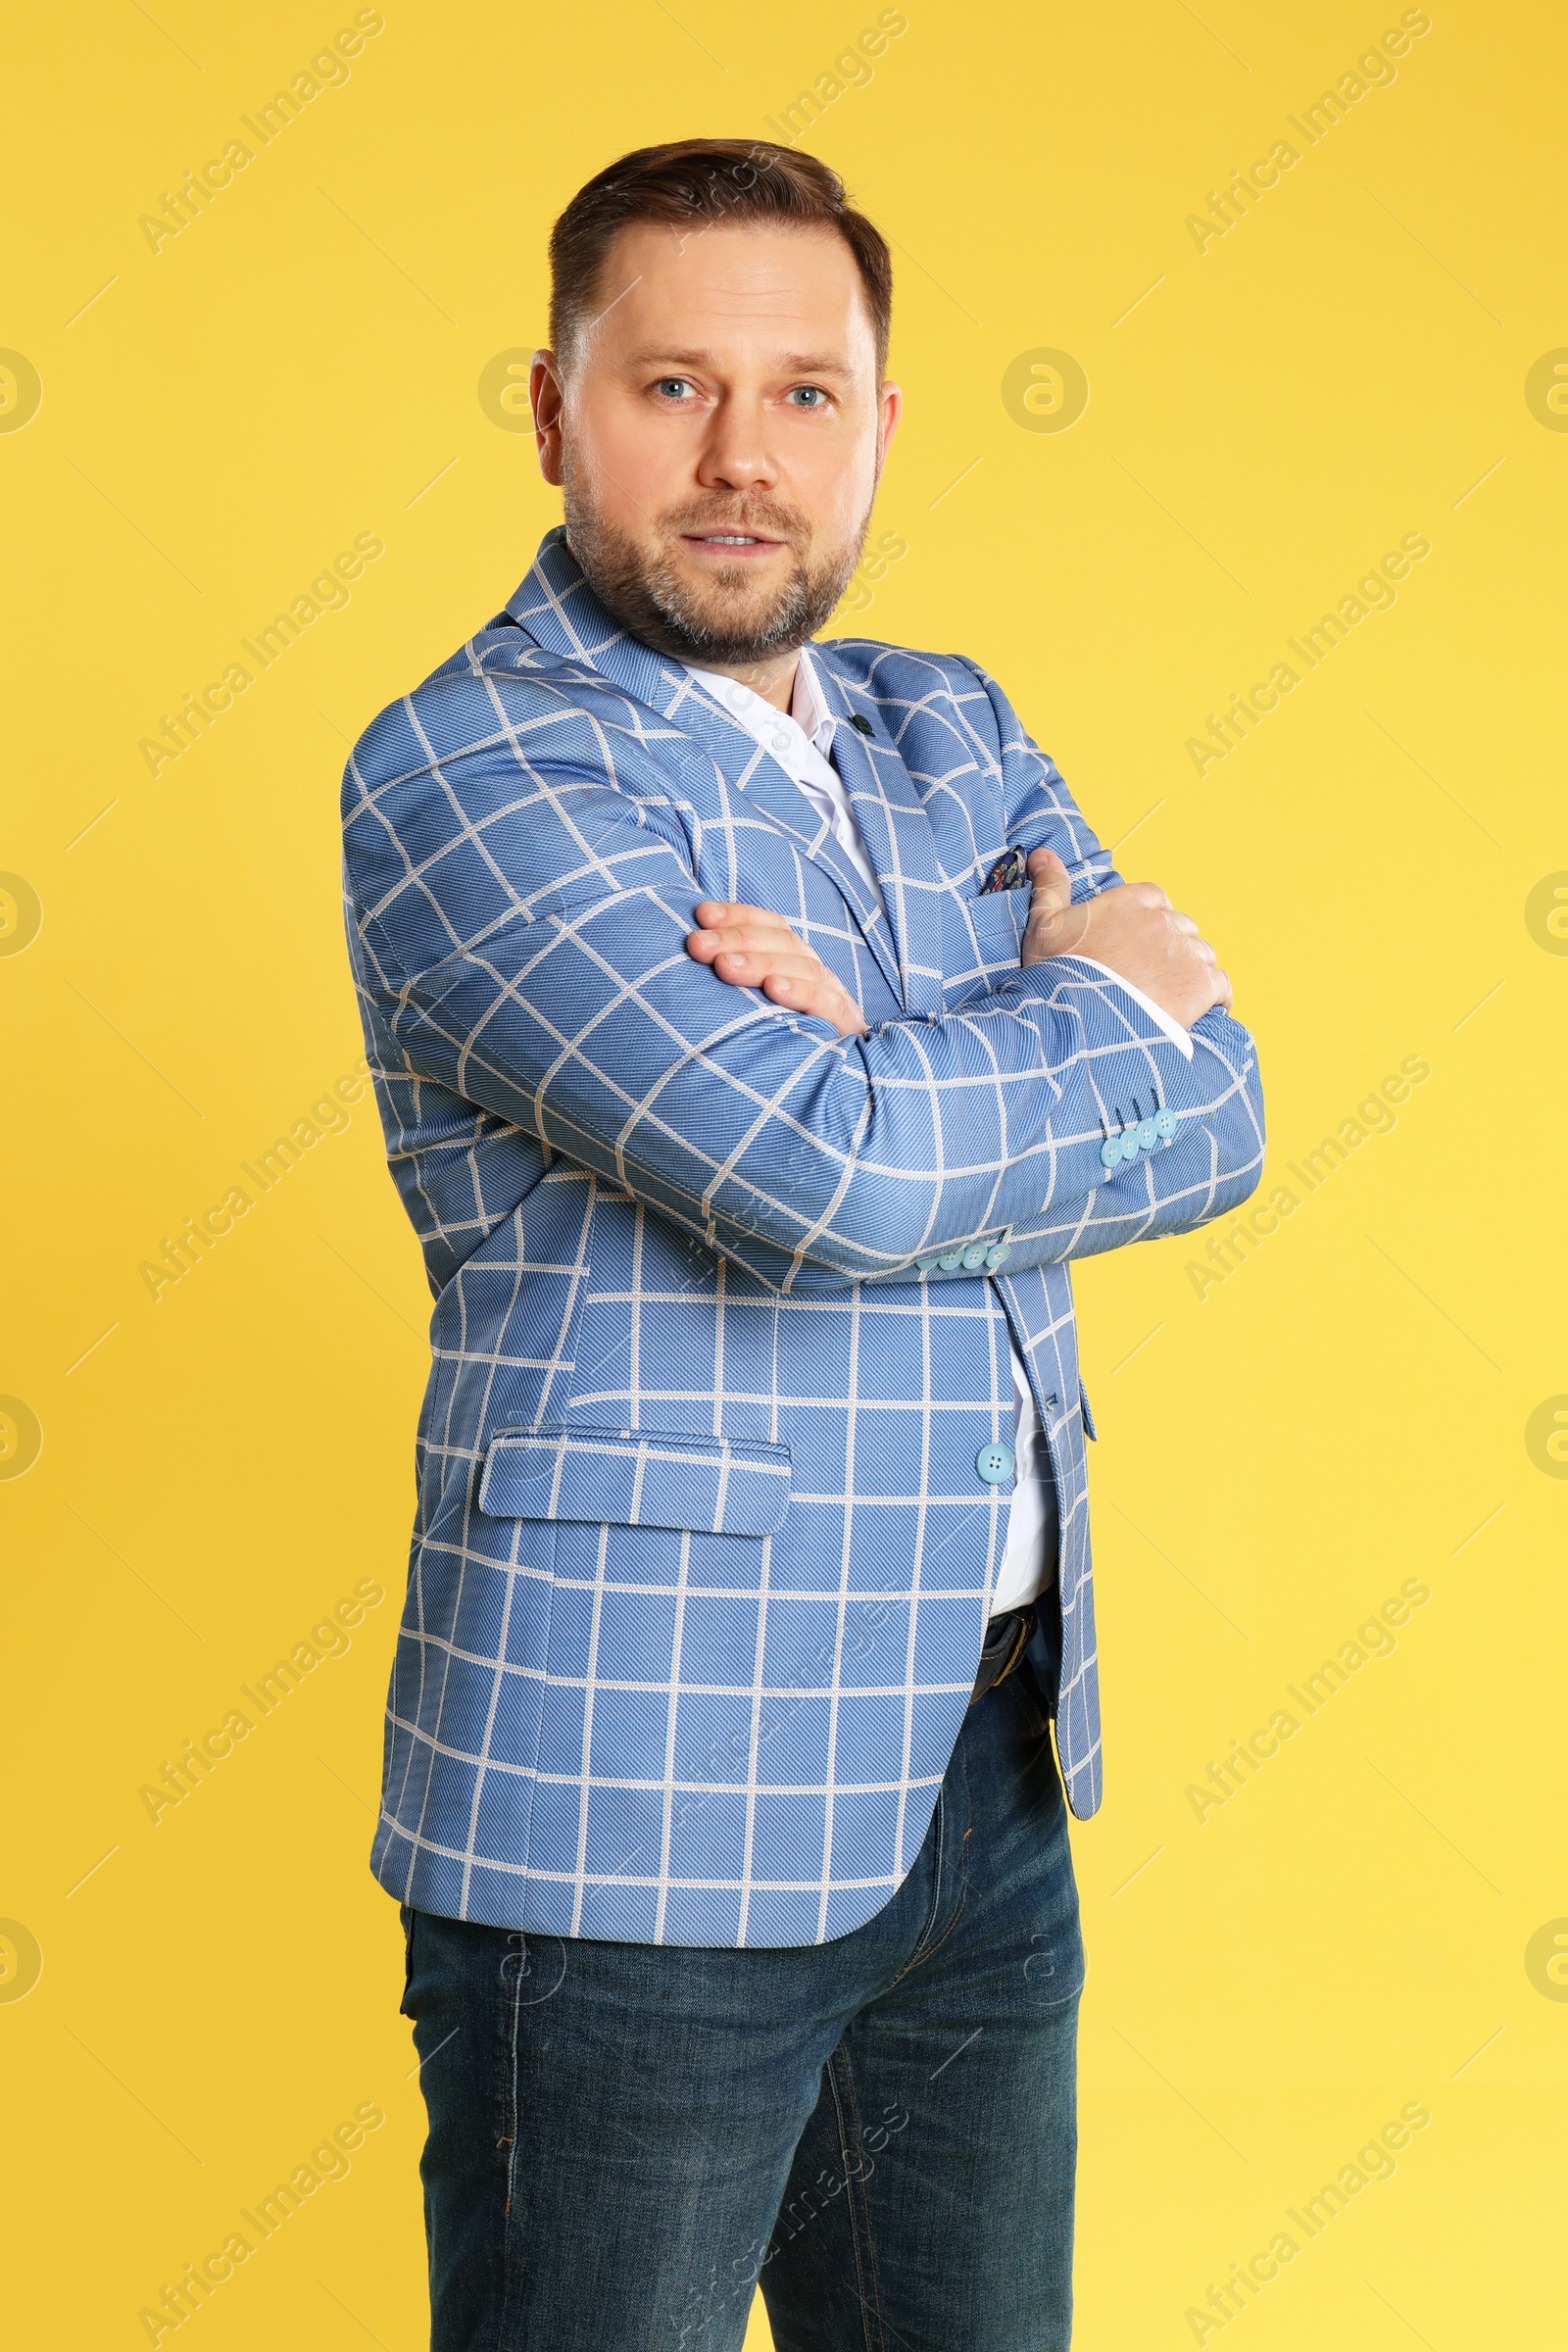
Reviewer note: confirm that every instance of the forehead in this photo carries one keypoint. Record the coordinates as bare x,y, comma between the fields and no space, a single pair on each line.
741,289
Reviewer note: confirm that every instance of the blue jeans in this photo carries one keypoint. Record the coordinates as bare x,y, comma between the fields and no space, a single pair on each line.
626,2138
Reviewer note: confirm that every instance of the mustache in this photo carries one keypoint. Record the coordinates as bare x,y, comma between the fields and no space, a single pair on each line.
767,517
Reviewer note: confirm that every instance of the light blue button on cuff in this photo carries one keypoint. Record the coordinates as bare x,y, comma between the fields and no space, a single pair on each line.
995,1464
979,1255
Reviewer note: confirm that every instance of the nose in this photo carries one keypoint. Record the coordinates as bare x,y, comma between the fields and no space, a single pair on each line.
736,455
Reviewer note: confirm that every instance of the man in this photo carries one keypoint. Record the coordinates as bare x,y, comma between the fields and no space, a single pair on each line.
757,1034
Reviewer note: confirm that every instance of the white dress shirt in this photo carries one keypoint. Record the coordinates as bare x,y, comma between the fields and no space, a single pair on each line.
801,740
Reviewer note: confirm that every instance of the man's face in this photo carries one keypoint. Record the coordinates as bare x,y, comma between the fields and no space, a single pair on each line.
718,435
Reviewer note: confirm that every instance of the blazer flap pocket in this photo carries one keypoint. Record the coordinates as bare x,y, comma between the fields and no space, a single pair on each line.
998,918
637,1477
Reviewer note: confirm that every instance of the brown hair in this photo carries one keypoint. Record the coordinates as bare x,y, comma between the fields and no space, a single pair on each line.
698,184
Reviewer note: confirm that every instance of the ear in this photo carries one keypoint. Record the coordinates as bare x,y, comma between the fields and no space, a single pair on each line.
890,408
547,398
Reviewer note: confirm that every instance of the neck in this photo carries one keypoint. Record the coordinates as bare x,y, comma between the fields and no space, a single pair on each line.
772,679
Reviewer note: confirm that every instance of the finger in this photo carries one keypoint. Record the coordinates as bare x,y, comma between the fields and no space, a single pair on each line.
1054,928
713,913
1051,886
755,938
759,939
1044,865
800,983
764,947
807,992
751,969
1222,988
828,1003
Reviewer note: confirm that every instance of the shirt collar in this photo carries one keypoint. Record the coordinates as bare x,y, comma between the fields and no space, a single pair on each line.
808,711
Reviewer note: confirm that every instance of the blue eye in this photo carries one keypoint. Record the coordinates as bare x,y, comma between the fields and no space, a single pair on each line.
811,396
671,386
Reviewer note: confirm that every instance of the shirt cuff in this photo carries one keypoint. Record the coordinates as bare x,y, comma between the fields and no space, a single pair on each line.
1157,1012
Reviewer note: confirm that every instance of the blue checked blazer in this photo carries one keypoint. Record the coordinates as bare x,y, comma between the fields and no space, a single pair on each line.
702,1556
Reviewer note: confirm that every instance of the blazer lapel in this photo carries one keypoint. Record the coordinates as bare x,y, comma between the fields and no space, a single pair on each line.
559,609
897,837
750,770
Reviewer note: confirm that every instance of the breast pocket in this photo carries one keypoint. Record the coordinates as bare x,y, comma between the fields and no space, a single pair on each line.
985,936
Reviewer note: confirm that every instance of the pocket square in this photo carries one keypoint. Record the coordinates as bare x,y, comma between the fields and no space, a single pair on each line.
1010,872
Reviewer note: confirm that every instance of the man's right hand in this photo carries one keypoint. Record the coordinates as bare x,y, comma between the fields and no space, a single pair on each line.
1134,929
750,948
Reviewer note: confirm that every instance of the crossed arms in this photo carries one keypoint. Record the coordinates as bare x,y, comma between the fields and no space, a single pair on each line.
1135,932
1132,931
548,982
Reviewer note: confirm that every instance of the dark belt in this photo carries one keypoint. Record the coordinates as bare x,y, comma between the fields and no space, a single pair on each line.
1007,1638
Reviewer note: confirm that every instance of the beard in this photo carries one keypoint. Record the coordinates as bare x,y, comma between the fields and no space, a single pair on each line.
729,617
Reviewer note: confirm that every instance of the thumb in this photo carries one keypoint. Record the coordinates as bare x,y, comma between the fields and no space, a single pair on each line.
1047,931
1051,887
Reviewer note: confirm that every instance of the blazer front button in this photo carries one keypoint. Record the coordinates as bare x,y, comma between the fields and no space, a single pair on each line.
995,1463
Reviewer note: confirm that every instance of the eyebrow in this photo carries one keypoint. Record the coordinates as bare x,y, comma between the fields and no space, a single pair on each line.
791,363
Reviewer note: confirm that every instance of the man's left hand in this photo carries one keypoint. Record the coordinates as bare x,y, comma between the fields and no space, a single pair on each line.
752,948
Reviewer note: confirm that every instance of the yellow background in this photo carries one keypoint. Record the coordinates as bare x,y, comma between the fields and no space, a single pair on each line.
301,365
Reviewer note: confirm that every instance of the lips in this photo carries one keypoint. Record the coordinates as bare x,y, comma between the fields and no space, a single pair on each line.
729,539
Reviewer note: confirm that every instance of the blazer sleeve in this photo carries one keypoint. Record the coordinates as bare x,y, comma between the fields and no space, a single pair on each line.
534,962
1216,1160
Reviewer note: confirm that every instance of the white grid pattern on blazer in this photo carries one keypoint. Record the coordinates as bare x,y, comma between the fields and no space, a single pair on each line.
652,1204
